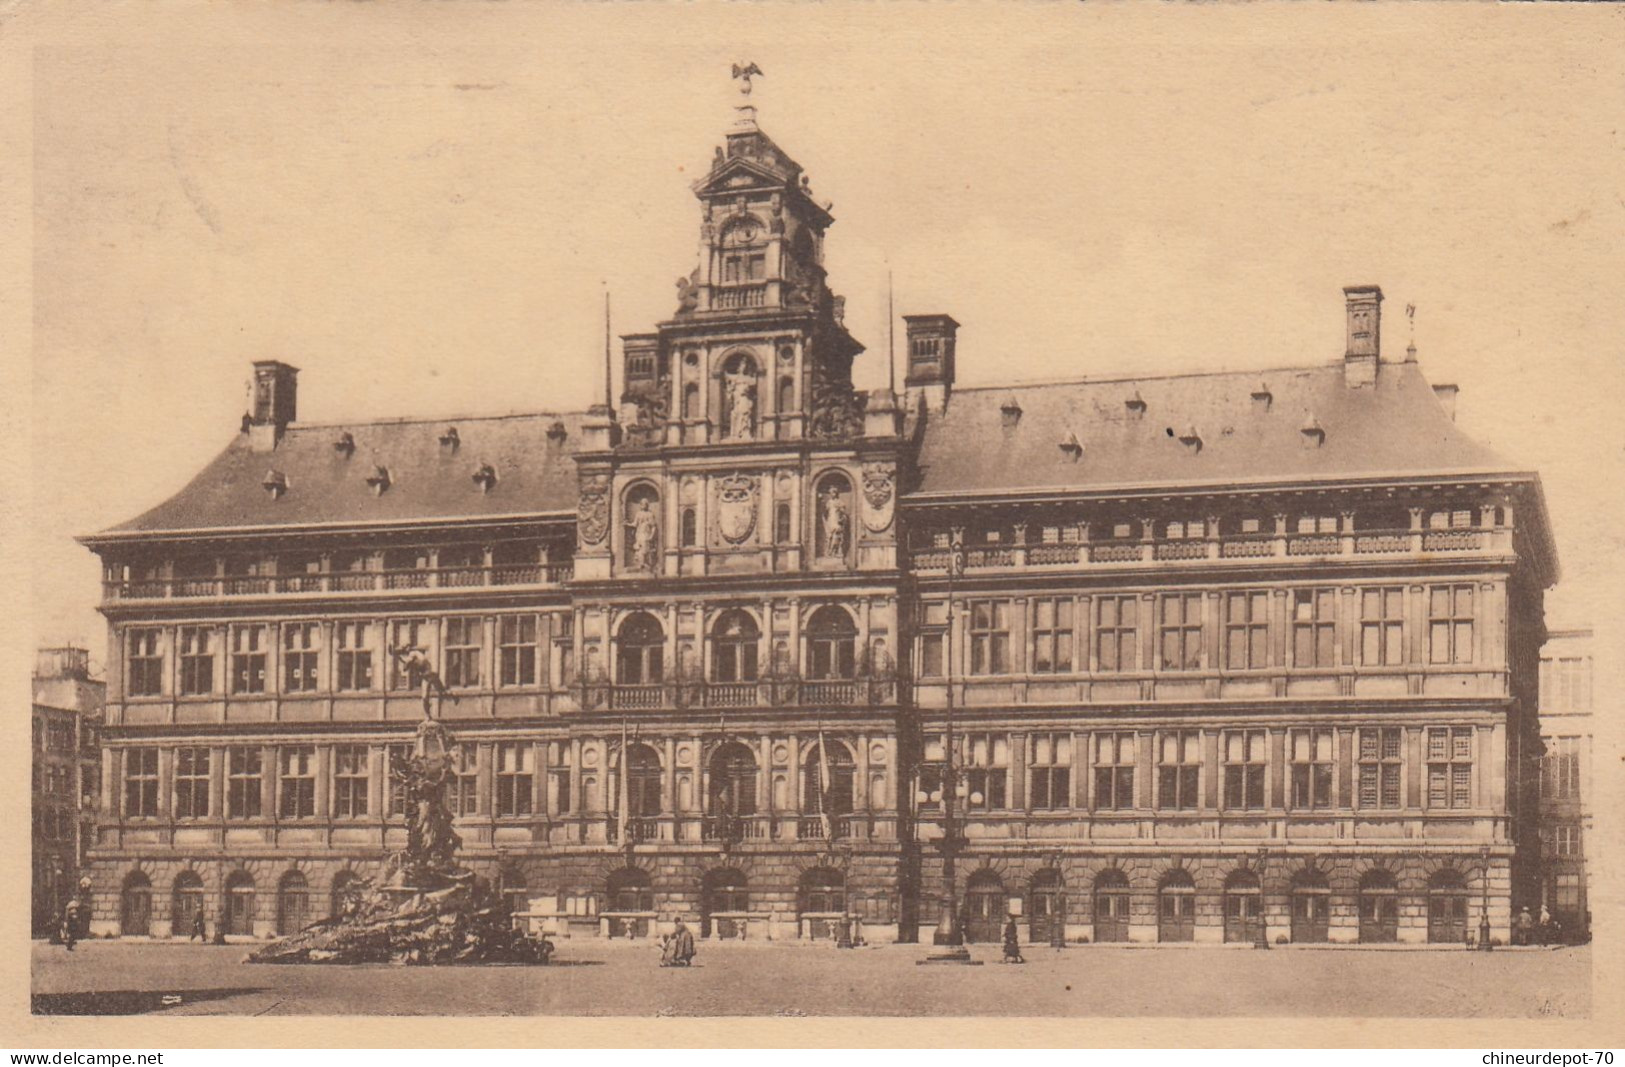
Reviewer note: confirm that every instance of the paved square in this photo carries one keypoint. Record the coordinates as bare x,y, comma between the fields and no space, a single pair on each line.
618,978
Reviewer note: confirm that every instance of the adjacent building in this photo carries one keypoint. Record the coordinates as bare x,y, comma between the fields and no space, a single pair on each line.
1205,656
66,760
1565,778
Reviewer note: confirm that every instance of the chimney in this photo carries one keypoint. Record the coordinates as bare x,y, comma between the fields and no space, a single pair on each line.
931,342
1447,398
274,403
1360,361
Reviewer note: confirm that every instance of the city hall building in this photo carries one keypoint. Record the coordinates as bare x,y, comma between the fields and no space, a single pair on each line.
1197,657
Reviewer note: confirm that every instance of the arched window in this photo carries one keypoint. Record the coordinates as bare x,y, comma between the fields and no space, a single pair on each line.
823,892
643,780
1379,907
733,780
1046,908
787,395
346,889
641,649
186,904
628,889
292,904
985,906
641,526
239,918
691,401
837,799
691,534
1111,906
734,638
1176,907
1447,908
135,906
832,499
1311,907
1243,907
831,644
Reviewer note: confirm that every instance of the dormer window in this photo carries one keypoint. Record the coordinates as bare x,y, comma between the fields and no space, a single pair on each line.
450,440
379,480
1071,447
485,477
1314,435
1010,413
1191,438
1262,397
556,432
345,444
276,483
1134,405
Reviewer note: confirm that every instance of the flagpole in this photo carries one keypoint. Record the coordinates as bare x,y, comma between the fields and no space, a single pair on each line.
625,790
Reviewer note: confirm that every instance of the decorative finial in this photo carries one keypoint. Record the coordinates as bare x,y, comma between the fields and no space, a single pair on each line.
1410,349
745,73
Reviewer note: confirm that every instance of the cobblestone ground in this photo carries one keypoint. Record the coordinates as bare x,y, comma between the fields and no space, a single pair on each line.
598,978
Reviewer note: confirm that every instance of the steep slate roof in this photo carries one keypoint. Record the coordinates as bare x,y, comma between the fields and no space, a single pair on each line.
1396,428
428,480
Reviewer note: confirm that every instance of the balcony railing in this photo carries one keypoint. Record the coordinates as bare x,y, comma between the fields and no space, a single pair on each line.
748,296
774,692
301,584
1248,546
732,828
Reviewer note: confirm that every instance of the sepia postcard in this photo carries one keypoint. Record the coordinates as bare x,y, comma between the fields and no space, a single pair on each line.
1021,525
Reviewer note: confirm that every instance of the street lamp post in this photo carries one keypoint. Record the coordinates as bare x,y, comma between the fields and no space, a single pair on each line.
1484,913
1263,939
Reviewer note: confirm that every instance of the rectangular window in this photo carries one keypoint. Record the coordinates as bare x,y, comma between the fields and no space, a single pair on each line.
1052,635
986,770
1450,767
1566,839
1311,756
244,782
196,660
781,523
395,759
1114,771
192,783
248,659
933,640
350,781
1321,524
1566,892
564,645
1450,624
300,656
1179,764
141,783
1049,771
1382,627
354,656
1245,757
513,778
559,784
1179,626
1565,767
408,634
1314,628
516,649
990,637
296,789
1247,630
1116,633
464,643
144,663
1380,766
465,791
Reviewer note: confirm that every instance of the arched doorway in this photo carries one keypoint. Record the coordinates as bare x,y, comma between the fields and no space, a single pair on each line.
832,639
644,777
641,650
1243,907
346,888
292,904
1176,907
724,904
735,639
186,904
1379,908
1046,907
733,781
1311,907
1111,906
823,903
135,906
985,907
1447,908
239,917
630,903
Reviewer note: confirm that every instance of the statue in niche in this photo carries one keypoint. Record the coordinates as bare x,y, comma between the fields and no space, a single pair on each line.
834,521
740,389
643,536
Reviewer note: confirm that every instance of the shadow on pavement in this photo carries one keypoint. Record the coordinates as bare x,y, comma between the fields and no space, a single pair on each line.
129,1001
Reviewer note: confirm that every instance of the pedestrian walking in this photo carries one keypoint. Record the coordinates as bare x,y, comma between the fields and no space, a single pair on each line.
70,922
1523,928
1012,941
200,928
1546,925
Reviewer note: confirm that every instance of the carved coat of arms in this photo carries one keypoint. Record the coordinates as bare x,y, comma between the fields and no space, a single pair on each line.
878,482
594,508
736,508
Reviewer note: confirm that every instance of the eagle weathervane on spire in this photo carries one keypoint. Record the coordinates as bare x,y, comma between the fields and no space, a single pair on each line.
745,73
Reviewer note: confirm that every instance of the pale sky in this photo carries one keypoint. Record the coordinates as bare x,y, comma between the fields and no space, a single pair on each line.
420,206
